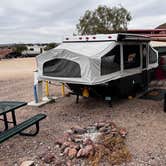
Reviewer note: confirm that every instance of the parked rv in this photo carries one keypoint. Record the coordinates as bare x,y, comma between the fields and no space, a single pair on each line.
33,50
101,65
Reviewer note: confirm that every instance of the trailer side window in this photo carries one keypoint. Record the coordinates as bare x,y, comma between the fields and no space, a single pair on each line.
61,68
111,61
152,56
131,56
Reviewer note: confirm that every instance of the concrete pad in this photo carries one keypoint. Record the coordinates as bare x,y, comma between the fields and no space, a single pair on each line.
44,101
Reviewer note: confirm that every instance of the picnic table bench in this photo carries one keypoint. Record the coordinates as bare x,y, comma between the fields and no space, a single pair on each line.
10,107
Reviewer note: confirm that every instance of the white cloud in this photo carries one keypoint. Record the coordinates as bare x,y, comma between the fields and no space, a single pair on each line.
51,20
147,21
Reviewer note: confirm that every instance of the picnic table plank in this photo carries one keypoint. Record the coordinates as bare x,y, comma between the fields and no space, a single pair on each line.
10,106
22,126
7,106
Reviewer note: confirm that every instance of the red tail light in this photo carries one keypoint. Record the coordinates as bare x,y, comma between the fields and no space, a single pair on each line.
161,61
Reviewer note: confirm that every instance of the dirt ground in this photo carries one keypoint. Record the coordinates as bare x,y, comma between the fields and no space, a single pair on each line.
17,68
144,120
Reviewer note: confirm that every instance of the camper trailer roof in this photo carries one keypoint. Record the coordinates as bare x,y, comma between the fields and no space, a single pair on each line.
106,37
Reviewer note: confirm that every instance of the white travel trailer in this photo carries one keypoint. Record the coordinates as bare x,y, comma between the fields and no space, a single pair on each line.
34,49
100,64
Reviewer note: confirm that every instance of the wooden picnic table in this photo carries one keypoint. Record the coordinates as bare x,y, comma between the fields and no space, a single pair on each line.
9,107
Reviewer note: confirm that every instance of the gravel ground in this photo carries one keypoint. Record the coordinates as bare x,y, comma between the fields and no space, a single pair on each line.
144,120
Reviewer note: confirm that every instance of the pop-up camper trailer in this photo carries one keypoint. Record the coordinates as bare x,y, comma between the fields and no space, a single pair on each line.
100,64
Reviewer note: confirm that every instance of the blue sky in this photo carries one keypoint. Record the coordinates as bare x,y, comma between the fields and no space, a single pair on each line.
51,20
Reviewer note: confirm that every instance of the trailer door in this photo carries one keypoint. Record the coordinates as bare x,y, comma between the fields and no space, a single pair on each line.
144,56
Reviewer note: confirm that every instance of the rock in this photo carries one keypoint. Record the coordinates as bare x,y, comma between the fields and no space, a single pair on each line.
69,131
48,158
78,140
108,124
99,125
62,148
91,129
88,141
59,142
80,153
63,139
103,129
153,162
69,163
81,146
78,136
57,146
71,138
66,151
72,153
88,150
78,130
49,148
68,144
41,152
108,131
61,154
27,163
114,130
67,136
109,128
123,132
58,163
75,146
41,143
113,125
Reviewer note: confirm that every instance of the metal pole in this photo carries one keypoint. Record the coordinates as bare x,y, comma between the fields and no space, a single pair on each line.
35,88
165,102
63,89
47,88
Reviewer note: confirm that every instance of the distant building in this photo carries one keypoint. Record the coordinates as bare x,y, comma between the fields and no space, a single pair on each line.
155,34
4,52
158,37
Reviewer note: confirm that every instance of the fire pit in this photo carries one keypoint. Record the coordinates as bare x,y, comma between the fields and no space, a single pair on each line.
95,143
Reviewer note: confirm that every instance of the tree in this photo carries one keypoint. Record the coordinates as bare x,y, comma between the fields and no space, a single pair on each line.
19,48
103,20
162,26
50,46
